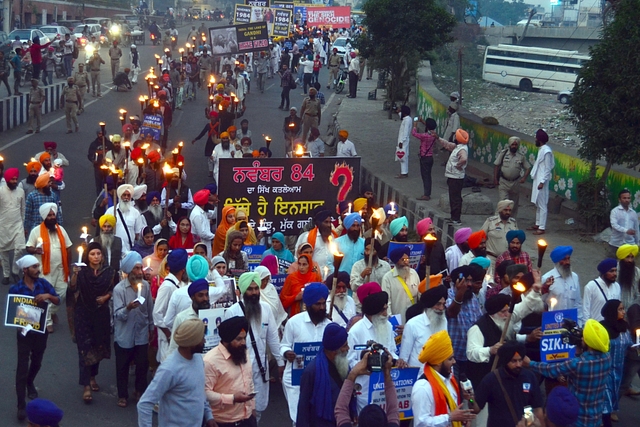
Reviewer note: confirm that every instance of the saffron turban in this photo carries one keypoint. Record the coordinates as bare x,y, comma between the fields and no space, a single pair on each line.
437,349
624,250
34,166
351,219
232,129
231,328
476,238
359,203
422,227
462,136
197,267
434,280
596,336
246,279
224,135
334,337
398,224
43,180
314,292
196,286
201,197
44,156
607,265
189,333
46,208
462,235
107,218
343,133
516,234
561,252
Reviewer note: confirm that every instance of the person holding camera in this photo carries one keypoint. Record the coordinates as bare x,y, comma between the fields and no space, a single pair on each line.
371,415
586,374
436,397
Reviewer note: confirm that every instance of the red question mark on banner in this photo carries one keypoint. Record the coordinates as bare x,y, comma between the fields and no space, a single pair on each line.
346,171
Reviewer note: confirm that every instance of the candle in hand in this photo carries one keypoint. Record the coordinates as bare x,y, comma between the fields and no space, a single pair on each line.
80,252
552,303
84,230
39,242
139,290
637,336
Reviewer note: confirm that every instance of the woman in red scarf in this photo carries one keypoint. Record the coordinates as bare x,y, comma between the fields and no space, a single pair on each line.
184,238
291,295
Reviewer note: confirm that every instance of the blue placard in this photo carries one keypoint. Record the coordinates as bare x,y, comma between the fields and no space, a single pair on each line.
552,349
278,281
305,353
403,379
254,255
152,124
416,248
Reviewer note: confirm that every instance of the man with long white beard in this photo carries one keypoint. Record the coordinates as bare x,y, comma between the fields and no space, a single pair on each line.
12,205
224,150
483,339
344,308
129,222
322,380
179,195
401,283
305,327
162,225
566,284
111,243
419,328
373,327
263,330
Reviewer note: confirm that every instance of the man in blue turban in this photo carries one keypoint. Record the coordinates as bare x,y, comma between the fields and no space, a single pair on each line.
351,244
199,294
566,285
601,289
322,379
515,238
401,283
399,229
43,412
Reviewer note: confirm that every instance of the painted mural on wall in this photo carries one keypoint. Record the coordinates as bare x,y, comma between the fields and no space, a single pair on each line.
485,142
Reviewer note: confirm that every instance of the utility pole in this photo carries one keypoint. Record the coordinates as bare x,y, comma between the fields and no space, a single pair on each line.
460,75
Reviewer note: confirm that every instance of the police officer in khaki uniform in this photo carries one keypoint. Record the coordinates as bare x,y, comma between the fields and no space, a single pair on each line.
36,98
511,170
310,113
496,228
333,64
70,98
115,53
94,68
81,79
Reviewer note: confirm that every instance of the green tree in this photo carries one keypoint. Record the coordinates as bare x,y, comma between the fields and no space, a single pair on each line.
605,107
399,34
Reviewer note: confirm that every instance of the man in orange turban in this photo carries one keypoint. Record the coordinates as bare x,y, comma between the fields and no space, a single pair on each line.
454,171
478,247
345,146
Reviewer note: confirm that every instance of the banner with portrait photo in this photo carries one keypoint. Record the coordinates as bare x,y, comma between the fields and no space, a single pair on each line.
23,311
211,318
245,14
229,298
305,353
152,124
287,192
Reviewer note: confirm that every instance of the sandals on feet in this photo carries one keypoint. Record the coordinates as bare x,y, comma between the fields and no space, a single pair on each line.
94,385
122,402
86,397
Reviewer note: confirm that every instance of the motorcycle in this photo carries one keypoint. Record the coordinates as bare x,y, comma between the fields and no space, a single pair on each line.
154,39
58,67
26,74
338,83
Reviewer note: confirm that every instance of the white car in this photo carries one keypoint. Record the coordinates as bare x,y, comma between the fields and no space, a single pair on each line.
29,34
341,45
55,32
565,97
93,29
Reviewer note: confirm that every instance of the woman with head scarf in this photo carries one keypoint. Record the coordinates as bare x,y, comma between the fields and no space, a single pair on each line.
269,294
160,251
619,341
184,238
245,228
227,220
92,287
304,249
236,258
144,246
271,263
292,291
279,249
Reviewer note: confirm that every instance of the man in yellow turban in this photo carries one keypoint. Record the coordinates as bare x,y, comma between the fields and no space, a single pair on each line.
586,374
111,243
628,274
345,146
436,397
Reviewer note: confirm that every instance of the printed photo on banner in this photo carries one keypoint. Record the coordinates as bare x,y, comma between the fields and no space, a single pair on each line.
245,14
211,318
416,248
284,193
224,40
152,124
552,347
229,297
305,353
23,311
403,379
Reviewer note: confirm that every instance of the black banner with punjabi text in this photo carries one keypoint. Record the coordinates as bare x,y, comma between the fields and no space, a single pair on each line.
285,192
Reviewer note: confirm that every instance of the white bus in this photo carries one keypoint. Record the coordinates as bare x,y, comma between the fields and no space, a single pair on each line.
531,68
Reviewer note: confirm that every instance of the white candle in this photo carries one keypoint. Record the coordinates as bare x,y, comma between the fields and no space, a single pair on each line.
80,251
349,211
261,222
84,230
552,303
637,336
39,241
326,271
139,290
393,207
148,263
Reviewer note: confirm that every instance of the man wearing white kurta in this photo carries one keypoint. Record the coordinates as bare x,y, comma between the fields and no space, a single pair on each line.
401,283
541,175
566,284
265,331
305,327
200,225
134,221
374,326
600,290
344,307
12,208
224,150
404,136
176,263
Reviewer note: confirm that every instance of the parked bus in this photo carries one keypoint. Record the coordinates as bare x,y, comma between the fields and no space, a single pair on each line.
531,68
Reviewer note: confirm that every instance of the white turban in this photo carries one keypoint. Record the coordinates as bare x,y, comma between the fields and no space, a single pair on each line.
139,191
46,208
123,188
27,261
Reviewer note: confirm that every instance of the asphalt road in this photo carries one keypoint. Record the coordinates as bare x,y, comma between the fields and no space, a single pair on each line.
58,379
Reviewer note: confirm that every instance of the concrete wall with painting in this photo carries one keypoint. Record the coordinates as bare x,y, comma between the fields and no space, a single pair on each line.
486,141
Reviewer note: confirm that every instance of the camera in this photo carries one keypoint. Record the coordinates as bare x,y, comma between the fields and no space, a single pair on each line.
572,334
377,357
